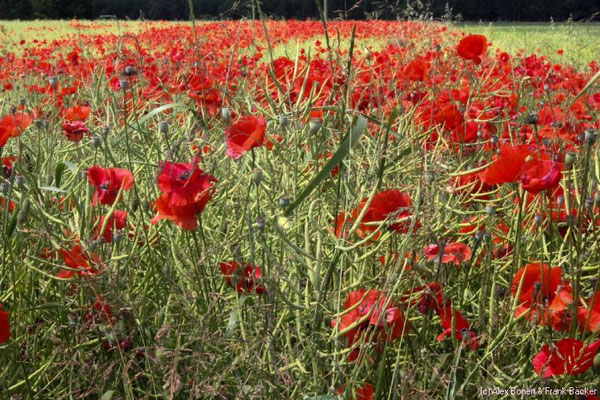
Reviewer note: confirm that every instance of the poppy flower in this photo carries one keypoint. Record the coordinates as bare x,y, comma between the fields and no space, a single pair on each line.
588,317
565,357
429,297
539,175
77,113
12,125
507,167
242,279
185,183
417,70
4,202
389,204
108,182
246,134
462,327
544,296
117,220
77,260
472,47
364,392
365,314
74,130
186,191
4,326
454,252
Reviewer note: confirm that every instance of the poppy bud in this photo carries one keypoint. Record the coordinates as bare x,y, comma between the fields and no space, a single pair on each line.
105,130
314,125
494,140
537,220
560,200
570,159
283,121
95,142
257,176
24,214
546,87
163,127
225,114
590,136
13,109
22,101
117,236
53,81
38,123
531,119
284,202
20,181
123,83
490,210
260,223
130,71
4,187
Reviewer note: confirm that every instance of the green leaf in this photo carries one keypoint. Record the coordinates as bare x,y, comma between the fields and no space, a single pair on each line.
159,110
587,86
108,395
52,189
58,172
359,125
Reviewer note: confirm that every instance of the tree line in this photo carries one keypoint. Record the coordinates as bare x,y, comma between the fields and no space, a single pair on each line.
487,10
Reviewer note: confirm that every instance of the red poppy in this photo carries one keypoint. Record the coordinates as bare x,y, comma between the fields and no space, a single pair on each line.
77,260
544,296
389,204
186,191
12,125
538,175
75,130
429,297
589,317
365,392
454,252
242,279
246,134
77,113
565,357
417,70
472,47
185,183
108,182
11,205
118,220
507,167
366,315
4,326
462,327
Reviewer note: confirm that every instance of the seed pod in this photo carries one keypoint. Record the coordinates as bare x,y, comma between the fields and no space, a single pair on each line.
531,119
22,101
123,83
4,187
490,210
313,126
105,130
53,81
537,220
20,181
130,71
95,142
226,114
546,87
590,136
257,176
260,223
163,127
13,109
284,202
560,200
494,140
283,121
570,159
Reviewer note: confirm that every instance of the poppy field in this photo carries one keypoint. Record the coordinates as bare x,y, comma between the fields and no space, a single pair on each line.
296,210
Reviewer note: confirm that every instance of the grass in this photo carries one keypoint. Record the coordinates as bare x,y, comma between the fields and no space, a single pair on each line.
579,41
161,321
